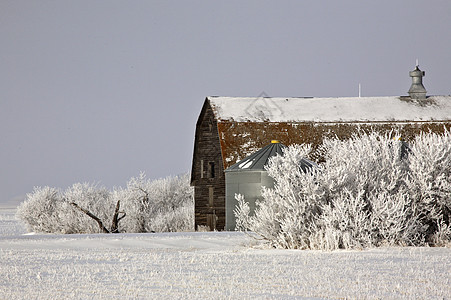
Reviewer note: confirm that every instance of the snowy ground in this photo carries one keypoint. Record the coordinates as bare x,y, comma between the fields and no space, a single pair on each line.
207,265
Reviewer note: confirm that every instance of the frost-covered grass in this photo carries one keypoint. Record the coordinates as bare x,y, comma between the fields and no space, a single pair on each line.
211,265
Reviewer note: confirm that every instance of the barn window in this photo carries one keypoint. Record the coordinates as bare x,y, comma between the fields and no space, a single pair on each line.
211,169
210,196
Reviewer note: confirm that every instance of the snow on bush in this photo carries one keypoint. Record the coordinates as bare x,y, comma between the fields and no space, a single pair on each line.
371,190
91,198
157,205
430,181
42,210
143,206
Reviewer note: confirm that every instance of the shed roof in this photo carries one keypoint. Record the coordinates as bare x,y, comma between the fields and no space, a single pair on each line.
257,160
345,109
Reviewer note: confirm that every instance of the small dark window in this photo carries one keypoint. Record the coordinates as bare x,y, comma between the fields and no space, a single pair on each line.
211,169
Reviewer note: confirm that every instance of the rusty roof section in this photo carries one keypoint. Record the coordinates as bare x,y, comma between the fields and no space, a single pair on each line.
240,139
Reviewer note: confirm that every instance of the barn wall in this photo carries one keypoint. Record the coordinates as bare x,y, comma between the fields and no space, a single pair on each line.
208,180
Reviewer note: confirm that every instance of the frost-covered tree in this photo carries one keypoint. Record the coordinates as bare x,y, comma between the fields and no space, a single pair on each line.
369,191
143,206
82,208
135,200
157,205
42,210
93,209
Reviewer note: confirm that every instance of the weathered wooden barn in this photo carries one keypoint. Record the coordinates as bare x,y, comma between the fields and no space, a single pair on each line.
231,128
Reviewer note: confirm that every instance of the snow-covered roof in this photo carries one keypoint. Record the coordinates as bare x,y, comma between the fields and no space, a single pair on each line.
345,109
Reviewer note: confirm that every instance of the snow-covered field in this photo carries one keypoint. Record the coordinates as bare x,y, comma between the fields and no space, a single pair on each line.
219,265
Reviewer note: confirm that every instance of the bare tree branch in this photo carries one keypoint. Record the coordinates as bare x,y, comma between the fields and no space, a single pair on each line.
95,218
121,217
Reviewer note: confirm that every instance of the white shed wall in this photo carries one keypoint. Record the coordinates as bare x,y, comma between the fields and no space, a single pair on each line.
247,183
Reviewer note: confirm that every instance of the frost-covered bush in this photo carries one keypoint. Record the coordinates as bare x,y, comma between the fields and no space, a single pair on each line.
49,210
290,207
41,210
143,206
174,219
369,191
167,202
430,180
52,211
92,198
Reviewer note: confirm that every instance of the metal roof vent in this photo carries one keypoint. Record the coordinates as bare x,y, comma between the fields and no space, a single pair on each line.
417,90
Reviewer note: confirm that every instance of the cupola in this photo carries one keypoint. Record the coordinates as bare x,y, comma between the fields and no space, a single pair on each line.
417,90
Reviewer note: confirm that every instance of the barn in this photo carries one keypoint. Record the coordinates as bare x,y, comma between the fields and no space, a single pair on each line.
231,128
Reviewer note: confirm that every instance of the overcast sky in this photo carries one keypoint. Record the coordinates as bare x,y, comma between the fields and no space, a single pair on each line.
97,91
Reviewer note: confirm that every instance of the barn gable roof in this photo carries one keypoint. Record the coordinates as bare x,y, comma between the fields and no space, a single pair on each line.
246,124
345,109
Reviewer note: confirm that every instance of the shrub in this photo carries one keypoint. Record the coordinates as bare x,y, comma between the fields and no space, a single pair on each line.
368,192
143,206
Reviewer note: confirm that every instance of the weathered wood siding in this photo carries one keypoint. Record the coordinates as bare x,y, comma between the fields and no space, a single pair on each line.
207,175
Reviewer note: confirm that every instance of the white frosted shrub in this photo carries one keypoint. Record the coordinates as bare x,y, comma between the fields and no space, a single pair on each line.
395,219
148,205
174,220
370,191
148,201
95,199
41,210
284,216
135,202
367,161
343,223
430,180
49,210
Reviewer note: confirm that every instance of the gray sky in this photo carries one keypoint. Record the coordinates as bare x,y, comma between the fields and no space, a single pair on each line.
97,91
